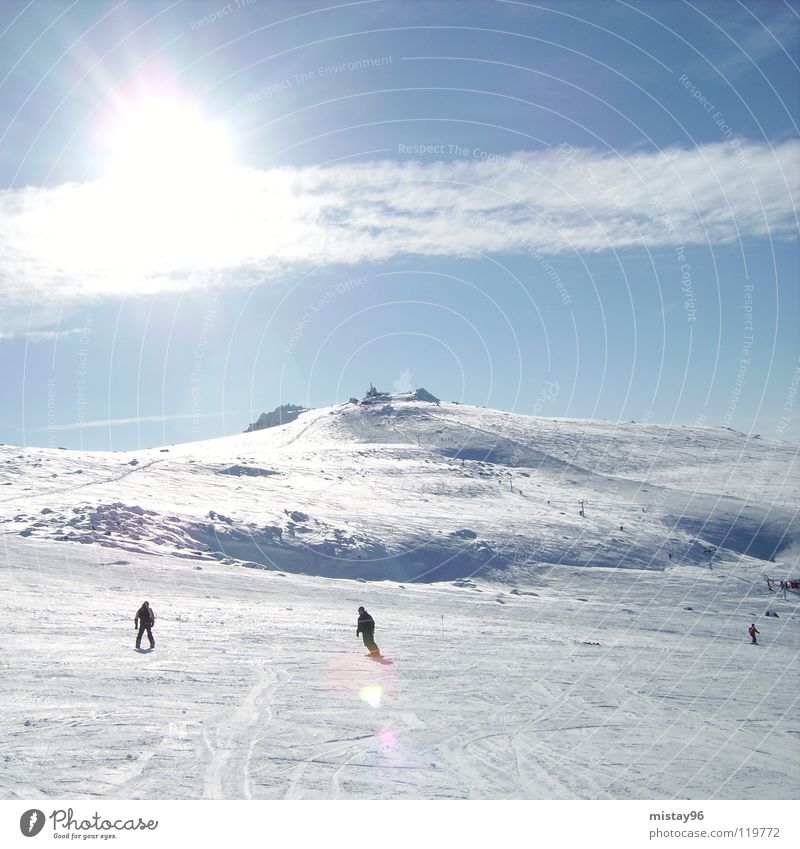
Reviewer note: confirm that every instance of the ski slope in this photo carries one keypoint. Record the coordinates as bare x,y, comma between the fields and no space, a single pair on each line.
531,652
409,490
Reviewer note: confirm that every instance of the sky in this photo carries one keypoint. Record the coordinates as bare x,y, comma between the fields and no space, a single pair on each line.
582,209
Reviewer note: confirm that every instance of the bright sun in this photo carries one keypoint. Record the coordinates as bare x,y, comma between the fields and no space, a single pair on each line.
165,143
169,188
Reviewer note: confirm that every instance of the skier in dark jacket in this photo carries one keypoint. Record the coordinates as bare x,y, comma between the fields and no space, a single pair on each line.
144,621
366,629
752,630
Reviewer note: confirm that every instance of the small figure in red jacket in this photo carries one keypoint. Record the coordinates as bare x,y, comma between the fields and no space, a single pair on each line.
752,630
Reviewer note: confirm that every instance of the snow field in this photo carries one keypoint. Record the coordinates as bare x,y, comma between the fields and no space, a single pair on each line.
582,684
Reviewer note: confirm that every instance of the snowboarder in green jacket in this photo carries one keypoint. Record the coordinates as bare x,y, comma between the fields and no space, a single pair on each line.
366,629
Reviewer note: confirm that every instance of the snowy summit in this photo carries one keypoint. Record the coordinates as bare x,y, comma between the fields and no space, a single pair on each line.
405,487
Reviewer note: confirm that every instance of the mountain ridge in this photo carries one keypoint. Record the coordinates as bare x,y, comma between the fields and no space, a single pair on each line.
411,489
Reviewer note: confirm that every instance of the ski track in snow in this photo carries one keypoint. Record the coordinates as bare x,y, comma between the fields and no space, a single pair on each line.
228,774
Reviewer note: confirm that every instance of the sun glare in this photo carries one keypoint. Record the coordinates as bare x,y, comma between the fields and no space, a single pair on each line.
169,185
165,143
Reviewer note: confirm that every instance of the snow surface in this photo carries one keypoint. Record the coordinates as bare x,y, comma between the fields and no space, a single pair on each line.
521,660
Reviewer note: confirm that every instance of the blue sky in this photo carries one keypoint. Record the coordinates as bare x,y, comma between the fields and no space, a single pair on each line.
578,209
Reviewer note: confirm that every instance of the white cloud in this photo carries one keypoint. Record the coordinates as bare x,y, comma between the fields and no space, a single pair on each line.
41,335
129,421
753,36
248,226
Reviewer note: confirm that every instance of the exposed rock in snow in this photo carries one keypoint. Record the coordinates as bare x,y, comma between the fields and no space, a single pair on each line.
279,416
247,471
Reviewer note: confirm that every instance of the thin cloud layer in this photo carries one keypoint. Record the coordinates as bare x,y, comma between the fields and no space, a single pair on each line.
40,335
249,227
127,421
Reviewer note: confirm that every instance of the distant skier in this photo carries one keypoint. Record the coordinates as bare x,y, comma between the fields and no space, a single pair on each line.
144,621
366,629
752,630
783,588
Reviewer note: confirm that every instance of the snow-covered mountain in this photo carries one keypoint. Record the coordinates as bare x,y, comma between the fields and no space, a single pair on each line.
519,660
408,489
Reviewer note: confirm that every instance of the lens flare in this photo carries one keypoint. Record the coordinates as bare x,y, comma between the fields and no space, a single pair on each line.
371,694
387,737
